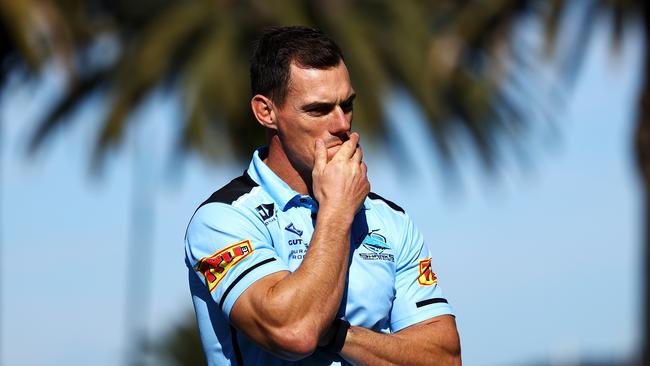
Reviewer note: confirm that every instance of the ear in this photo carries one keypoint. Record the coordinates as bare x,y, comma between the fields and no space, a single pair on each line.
263,111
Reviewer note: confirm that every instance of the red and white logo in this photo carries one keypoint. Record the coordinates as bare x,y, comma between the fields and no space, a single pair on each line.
215,267
426,277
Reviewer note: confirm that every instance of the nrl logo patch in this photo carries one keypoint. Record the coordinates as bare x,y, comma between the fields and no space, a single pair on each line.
376,244
215,267
266,211
426,277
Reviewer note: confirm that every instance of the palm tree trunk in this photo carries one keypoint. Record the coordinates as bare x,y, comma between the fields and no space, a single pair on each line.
140,253
643,161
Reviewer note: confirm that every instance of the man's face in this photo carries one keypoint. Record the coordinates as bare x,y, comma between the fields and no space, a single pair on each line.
318,105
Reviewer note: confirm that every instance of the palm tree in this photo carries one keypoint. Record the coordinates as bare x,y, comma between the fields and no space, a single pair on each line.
462,62
35,32
564,47
31,33
201,47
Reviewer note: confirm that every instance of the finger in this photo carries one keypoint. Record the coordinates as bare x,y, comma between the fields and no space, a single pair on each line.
349,147
364,169
320,155
358,155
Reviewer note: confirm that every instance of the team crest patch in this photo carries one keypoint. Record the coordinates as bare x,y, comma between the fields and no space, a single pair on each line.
376,246
215,267
426,277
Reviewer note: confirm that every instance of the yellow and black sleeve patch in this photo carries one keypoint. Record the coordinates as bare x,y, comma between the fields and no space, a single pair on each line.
215,267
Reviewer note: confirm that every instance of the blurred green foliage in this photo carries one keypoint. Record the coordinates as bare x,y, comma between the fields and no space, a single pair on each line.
454,58
467,64
180,346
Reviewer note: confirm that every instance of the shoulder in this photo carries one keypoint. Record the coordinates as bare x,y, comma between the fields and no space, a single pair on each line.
233,191
396,225
376,200
386,214
230,208
241,194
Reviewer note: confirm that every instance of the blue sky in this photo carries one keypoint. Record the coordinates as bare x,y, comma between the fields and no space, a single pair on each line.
541,263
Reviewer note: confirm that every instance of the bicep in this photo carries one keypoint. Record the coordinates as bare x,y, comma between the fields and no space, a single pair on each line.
248,312
264,314
229,253
439,332
443,325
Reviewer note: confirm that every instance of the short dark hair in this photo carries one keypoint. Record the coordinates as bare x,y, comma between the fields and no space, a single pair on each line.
278,47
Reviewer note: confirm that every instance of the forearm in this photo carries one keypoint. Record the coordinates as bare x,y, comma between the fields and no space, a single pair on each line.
414,347
313,292
287,314
315,289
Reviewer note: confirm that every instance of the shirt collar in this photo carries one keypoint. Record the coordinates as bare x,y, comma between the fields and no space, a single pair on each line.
278,189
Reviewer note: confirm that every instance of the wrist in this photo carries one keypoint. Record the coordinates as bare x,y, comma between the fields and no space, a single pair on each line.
338,333
327,336
339,217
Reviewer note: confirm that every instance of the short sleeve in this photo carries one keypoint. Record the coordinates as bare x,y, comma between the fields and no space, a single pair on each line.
418,295
229,251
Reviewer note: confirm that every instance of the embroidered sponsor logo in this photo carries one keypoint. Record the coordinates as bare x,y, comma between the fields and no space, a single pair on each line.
294,241
426,277
293,229
376,245
298,253
266,211
215,267
377,257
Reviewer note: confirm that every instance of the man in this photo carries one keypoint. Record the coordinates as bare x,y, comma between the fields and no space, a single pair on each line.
296,262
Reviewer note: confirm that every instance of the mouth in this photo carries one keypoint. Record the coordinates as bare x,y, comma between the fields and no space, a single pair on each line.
332,150
335,142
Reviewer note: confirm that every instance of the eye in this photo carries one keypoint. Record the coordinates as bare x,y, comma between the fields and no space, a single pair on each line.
319,110
347,106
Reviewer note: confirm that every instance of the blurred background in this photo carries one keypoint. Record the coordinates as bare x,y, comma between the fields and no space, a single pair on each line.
515,133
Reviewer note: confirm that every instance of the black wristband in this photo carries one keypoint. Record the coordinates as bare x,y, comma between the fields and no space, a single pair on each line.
335,345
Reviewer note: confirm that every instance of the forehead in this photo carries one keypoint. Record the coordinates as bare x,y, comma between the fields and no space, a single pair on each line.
324,85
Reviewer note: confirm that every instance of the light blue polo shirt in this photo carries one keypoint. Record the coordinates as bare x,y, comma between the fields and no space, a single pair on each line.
256,225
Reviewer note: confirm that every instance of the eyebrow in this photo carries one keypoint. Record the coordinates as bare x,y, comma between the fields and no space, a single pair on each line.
318,105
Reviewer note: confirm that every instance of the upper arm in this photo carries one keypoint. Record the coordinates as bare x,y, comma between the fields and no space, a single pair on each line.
229,251
233,255
439,331
418,296
249,314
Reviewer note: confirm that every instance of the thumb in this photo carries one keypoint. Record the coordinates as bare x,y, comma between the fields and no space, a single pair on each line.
320,155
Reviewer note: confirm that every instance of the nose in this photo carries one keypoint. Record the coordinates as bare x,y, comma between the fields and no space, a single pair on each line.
341,122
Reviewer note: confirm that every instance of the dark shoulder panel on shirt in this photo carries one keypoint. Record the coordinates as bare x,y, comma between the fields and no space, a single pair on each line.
232,191
391,204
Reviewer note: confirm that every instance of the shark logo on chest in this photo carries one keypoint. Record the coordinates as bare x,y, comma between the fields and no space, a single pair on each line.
377,247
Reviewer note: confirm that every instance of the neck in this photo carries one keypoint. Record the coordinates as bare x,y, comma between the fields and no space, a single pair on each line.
279,163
